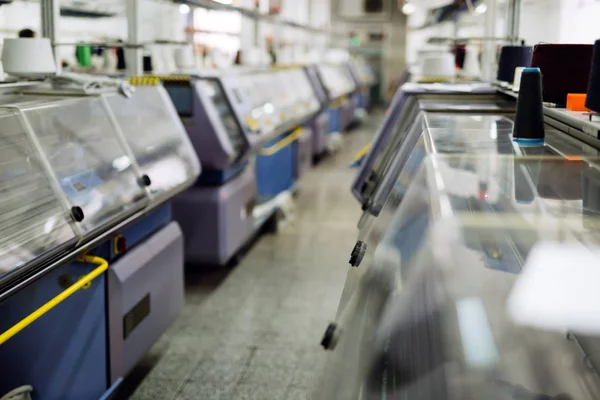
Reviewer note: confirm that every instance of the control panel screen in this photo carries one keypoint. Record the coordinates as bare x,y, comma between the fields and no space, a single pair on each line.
215,92
182,97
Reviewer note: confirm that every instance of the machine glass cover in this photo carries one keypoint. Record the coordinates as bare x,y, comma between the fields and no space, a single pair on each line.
409,126
259,91
288,95
308,100
333,81
88,159
157,138
272,96
473,291
213,89
33,222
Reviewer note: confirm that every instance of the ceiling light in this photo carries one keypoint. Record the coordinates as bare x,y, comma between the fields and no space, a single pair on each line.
408,8
480,9
184,9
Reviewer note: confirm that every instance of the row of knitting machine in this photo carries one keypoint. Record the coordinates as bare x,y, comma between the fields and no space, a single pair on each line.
104,201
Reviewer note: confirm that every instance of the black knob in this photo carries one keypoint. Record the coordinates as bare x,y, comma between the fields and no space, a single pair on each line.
529,120
145,181
77,214
593,93
358,253
328,341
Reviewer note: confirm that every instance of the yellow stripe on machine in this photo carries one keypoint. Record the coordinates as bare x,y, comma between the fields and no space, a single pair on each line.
362,152
286,141
155,80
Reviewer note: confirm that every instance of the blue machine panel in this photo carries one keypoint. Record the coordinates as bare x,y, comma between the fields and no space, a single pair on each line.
151,223
275,173
335,120
63,354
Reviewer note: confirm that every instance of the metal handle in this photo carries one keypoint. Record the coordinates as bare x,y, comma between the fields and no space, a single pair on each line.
31,318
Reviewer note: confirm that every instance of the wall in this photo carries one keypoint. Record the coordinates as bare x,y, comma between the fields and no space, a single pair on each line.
540,21
580,21
560,21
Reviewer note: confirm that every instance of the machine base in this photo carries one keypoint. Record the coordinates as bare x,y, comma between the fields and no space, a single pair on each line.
303,153
211,177
216,221
63,354
145,295
275,173
347,114
320,129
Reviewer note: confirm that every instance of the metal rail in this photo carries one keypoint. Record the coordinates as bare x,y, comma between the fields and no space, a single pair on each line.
74,288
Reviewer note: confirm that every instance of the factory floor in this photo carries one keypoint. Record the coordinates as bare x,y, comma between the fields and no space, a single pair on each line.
254,331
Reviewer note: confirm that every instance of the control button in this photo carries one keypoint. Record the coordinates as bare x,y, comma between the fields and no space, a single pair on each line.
358,253
120,244
145,181
329,338
77,214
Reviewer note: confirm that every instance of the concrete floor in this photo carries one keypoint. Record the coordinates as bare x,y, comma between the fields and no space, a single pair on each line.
253,331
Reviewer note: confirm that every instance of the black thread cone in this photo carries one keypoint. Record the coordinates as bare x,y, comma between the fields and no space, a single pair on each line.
512,57
529,120
593,93
565,69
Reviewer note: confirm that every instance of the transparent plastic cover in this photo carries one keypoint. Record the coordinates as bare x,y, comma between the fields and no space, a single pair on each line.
87,158
481,285
157,138
32,220
337,80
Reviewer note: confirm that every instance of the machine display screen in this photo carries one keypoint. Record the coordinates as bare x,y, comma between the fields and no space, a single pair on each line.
182,96
213,89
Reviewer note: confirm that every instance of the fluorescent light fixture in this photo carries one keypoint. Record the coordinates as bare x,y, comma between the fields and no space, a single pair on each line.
480,9
224,1
408,8
184,9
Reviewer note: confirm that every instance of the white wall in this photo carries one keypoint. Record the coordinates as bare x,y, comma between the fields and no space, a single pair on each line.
580,21
560,21
540,21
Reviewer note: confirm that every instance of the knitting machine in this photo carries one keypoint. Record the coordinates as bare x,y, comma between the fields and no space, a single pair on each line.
474,215
92,266
230,117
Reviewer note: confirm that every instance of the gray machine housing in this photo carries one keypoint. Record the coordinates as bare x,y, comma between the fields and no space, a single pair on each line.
217,221
138,284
